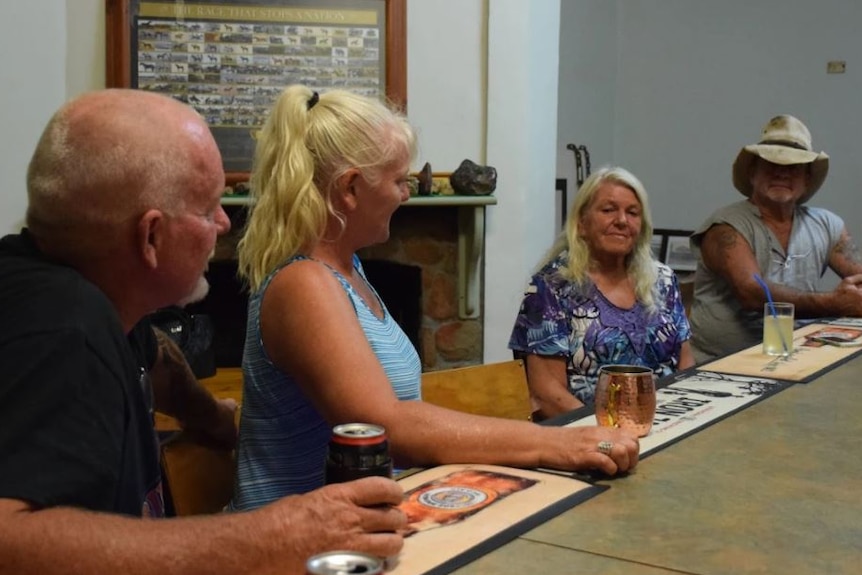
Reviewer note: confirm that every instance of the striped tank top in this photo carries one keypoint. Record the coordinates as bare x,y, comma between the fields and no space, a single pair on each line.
283,439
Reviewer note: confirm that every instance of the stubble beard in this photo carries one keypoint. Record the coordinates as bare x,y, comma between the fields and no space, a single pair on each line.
199,292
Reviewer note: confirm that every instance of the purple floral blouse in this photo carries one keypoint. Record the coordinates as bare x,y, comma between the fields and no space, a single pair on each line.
561,318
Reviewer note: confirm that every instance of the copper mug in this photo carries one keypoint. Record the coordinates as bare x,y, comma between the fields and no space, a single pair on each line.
625,398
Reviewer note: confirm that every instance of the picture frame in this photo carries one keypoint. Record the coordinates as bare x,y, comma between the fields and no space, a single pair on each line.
230,59
657,244
677,252
561,187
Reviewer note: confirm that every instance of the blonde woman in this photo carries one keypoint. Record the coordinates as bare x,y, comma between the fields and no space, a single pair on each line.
599,298
321,348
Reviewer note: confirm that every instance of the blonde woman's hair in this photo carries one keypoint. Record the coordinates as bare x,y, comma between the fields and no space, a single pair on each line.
640,263
306,144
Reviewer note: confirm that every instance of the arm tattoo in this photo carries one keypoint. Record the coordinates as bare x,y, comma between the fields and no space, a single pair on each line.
721,241
726,239
847,249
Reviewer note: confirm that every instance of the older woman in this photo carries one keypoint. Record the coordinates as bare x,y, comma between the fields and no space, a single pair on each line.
599,298
321,349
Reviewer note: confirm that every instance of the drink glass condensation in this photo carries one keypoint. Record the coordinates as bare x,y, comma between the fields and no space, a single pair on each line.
778,328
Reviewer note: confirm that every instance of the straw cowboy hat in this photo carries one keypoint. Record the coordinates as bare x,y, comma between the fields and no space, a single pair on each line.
786,141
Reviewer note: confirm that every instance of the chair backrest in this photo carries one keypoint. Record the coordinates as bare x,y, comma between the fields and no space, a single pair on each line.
494,389
199,478
686,290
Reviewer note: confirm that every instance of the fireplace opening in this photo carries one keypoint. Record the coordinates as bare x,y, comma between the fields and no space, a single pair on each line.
399,286
226,305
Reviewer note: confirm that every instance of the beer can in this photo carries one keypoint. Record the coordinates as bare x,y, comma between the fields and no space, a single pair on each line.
344,563
357,450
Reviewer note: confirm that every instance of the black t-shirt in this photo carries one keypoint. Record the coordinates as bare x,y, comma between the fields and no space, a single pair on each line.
74,423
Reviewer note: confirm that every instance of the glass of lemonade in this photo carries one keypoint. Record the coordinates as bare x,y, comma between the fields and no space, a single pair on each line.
777,328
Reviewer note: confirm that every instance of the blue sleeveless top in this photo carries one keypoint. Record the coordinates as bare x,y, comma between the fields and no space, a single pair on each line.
283,438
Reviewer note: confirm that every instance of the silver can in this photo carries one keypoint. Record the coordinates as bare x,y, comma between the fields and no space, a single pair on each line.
344,563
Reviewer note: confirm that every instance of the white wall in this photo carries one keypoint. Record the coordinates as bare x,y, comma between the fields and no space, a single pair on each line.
32,86
698,80
54,50
85,47
523,52
446,53
695,80
588,74
482,84
669,88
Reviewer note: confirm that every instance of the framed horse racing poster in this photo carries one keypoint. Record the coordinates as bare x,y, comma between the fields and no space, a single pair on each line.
230,59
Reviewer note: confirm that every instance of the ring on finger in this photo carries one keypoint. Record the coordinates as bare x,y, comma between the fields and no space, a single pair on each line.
605,446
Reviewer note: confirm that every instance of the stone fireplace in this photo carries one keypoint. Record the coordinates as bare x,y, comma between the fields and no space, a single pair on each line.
427,237
416,274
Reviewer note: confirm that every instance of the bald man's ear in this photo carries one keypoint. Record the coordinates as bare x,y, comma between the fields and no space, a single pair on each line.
149,236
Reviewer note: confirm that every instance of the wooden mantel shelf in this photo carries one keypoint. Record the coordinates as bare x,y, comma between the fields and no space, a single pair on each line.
451,201
471,241
433,201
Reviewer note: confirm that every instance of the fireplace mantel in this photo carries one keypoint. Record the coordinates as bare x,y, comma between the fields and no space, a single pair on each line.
471,241
414,201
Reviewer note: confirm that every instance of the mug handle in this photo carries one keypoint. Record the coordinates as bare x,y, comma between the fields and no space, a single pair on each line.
613,403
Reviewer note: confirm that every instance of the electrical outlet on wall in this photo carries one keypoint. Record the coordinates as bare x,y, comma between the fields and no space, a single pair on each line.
836,67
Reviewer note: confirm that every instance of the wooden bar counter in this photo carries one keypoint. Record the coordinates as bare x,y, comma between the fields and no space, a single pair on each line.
773,489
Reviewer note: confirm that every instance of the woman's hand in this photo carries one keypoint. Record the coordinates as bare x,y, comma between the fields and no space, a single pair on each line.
579,448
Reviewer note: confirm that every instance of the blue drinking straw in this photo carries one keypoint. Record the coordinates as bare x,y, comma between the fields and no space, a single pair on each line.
774,315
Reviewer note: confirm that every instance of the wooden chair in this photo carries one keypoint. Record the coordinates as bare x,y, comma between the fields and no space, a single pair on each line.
199,478
494,389
226,383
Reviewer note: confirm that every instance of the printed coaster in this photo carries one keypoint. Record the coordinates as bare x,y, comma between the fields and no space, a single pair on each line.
457,513
812,355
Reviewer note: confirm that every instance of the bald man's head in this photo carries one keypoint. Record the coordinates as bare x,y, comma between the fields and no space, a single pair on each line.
107,157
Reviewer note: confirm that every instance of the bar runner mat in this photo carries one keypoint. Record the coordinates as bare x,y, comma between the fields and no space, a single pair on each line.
457,513
689,401
809,360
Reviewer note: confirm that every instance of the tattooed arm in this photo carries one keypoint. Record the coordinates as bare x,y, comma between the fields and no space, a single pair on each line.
728,254
179,394
845,259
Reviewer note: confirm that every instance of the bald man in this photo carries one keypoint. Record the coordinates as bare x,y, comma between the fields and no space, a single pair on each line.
124,210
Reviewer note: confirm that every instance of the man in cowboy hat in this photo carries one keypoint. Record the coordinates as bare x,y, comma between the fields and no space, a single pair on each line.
773,234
